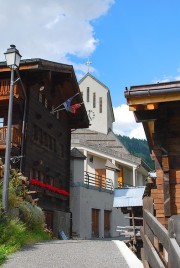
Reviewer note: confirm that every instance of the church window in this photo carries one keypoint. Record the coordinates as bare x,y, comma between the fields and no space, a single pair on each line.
100,104
94,100
87,94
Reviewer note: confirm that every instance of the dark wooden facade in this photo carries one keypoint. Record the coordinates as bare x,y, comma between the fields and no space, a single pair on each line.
157,106
45,143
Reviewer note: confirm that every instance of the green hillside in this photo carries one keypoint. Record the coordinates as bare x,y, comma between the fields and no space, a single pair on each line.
138,148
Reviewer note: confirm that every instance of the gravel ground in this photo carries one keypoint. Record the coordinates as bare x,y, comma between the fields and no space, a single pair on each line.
67,254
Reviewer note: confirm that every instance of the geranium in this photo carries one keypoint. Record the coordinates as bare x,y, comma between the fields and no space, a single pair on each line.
48,186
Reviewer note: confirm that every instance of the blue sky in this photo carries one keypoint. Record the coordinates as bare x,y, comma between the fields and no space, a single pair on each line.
139,44
128,42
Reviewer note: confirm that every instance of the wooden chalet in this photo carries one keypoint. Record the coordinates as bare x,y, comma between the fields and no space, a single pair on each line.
157,107
40,140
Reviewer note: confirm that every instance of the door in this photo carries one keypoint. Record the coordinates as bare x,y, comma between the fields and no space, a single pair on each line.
95,222
107,223
120,177
49,219
101,178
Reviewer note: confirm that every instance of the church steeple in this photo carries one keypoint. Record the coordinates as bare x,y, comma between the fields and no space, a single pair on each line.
97,100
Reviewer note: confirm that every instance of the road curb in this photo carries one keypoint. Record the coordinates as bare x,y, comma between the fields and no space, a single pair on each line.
129,256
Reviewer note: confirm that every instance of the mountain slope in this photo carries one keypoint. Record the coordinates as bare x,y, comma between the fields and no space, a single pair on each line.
138,148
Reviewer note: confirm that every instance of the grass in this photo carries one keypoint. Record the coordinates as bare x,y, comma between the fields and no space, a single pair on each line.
25,230
14,235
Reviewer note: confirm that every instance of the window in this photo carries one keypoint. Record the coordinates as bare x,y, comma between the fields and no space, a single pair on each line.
100,104
35,133
87,94
57,114
31,173
82,94
42,138
54,145
40,97
61,150
46,103
1,121
50,142
94,100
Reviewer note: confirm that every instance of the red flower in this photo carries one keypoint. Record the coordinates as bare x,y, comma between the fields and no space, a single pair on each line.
49,187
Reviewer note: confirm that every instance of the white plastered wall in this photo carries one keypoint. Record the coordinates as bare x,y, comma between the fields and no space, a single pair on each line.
86,199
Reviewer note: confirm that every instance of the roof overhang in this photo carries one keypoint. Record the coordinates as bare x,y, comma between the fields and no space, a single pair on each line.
60,72
145,102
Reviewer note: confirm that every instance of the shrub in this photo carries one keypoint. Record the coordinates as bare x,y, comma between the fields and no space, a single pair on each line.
32,216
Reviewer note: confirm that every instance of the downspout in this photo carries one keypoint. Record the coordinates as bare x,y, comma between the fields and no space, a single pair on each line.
24,121
134,176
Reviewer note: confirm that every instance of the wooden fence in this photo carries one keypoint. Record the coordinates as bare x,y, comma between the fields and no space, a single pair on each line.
161,247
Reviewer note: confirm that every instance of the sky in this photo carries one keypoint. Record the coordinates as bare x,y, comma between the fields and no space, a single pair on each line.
127,42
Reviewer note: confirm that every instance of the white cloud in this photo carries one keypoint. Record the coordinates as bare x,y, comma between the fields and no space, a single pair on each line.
51,29
168,78
125,123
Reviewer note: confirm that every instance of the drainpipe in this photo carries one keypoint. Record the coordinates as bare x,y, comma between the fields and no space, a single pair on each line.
134,176
85,161
24,121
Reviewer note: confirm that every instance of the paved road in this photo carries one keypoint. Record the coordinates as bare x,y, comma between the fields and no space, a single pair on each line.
68,254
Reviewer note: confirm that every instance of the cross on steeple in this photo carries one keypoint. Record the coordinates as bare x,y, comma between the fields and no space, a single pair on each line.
88,63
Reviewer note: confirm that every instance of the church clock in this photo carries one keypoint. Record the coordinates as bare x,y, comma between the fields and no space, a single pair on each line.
91,115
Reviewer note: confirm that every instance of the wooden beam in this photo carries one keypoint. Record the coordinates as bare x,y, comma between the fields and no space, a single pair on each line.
27,67
153,99
151,106
146,115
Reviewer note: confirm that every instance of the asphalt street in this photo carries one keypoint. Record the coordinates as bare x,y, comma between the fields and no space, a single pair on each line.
68,254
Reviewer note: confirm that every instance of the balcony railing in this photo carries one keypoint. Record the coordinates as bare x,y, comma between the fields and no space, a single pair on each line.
92,180
15,137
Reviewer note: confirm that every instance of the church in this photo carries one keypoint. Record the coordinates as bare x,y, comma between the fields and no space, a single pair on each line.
99,164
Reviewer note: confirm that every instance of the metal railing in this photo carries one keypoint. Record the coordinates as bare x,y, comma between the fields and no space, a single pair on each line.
15,137
97,181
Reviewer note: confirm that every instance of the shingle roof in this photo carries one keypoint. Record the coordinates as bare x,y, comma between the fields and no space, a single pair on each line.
104,143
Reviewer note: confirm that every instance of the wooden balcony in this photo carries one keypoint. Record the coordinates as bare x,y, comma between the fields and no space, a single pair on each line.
5,89
15,137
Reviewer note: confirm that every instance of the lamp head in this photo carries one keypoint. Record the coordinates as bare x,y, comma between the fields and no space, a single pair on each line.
12,57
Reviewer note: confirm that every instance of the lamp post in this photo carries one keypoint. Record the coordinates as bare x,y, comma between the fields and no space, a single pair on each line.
13,59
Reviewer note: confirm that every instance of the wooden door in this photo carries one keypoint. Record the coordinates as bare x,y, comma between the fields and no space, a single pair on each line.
101,178
49,219
95,222
120,177
107,223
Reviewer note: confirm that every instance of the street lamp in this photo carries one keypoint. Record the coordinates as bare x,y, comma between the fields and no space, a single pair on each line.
13,59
